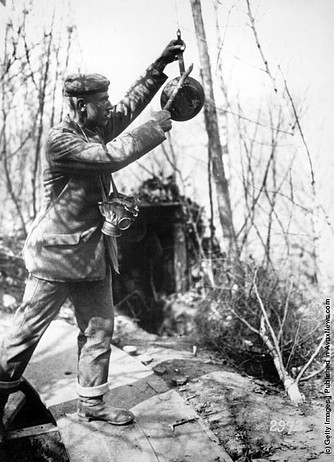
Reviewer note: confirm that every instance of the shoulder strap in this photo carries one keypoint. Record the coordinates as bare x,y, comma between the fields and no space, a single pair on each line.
104,195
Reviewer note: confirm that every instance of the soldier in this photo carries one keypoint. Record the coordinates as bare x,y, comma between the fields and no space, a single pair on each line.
66,253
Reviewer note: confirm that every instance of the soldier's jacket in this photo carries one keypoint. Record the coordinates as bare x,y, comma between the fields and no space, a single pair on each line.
65,242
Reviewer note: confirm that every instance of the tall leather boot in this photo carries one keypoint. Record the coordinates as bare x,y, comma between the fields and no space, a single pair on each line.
96,409
3,401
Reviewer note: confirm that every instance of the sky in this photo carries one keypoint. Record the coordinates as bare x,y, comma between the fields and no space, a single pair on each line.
119,38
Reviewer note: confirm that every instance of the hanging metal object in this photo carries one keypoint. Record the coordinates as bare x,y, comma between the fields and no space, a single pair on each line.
183,96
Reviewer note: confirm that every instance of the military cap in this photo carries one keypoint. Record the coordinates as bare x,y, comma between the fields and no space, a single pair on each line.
85,84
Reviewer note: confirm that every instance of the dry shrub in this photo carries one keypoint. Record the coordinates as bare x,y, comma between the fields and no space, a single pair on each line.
228,318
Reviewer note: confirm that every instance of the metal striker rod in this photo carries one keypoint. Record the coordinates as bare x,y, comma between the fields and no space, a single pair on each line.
178,87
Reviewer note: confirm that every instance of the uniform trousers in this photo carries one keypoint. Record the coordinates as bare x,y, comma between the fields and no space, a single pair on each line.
42,300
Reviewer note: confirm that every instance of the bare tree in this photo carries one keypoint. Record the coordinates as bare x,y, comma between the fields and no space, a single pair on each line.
273,228
31,67
215,149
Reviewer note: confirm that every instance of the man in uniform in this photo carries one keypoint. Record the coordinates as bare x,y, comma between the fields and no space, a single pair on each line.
66,253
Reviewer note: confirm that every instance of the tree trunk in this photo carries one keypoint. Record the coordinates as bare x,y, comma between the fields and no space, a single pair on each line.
215,147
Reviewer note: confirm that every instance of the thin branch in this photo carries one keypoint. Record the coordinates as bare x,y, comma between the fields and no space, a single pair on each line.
265,315
242,319
300,130
264,181
310,376
286,306
265,62
312,358
255,122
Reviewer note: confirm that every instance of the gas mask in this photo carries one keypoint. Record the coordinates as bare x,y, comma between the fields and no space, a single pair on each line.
119,211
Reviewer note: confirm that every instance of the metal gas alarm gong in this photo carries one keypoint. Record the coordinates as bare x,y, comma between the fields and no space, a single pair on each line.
182,96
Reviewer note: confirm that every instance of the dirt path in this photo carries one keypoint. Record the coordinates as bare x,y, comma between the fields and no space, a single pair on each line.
253,420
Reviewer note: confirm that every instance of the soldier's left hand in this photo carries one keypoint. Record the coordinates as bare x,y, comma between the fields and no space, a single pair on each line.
172,50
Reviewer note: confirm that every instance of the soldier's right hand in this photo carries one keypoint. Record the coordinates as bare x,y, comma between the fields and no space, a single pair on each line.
163,119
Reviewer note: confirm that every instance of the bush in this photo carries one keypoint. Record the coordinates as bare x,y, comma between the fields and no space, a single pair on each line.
228,319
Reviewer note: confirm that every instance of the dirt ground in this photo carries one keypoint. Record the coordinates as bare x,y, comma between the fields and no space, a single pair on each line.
253,419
